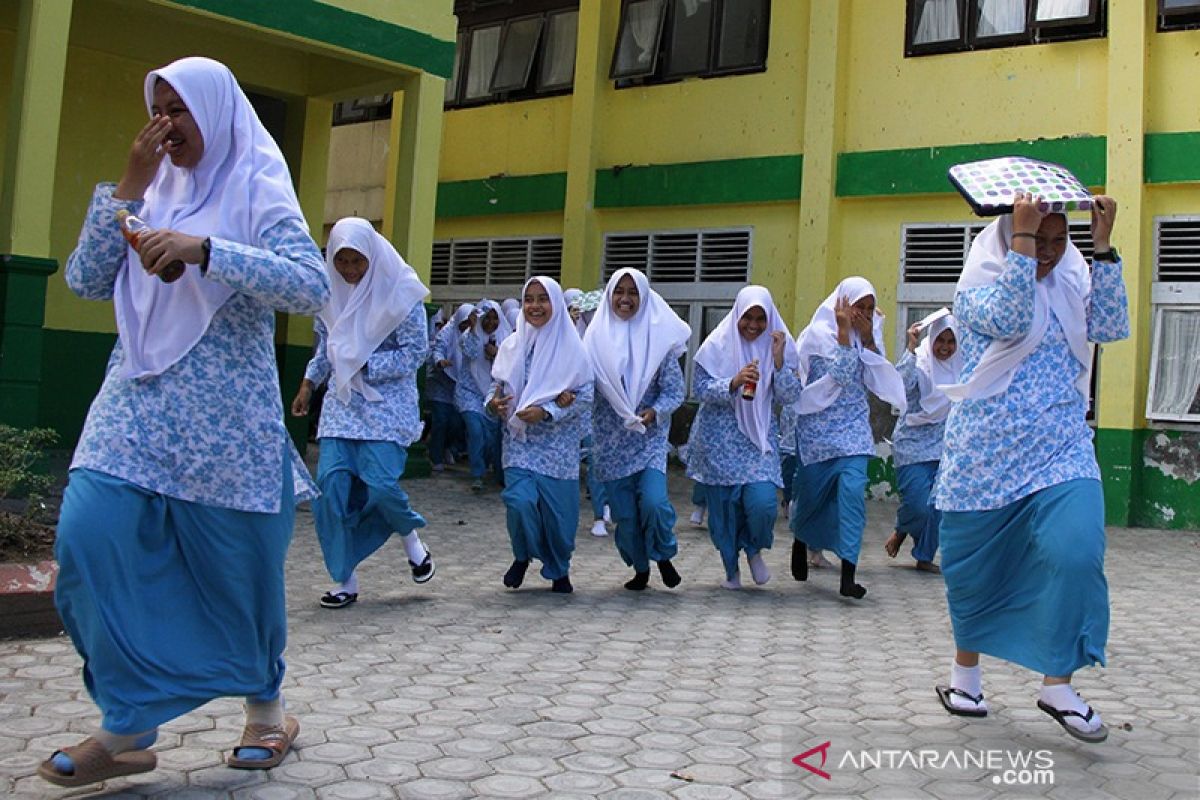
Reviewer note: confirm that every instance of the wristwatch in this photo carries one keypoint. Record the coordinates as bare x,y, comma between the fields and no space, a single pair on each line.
206,248
1108,255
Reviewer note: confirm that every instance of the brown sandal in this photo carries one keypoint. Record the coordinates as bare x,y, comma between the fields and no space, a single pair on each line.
93,764
276,738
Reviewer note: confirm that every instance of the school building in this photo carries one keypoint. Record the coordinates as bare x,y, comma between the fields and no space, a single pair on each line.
792,143
710,143
71,74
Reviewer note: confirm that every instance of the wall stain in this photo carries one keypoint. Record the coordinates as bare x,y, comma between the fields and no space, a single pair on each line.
1176,456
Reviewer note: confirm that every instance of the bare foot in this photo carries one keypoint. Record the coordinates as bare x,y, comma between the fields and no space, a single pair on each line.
892,545
817,560
928,566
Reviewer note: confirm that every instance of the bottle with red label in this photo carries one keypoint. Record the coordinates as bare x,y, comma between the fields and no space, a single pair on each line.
750,388
132,229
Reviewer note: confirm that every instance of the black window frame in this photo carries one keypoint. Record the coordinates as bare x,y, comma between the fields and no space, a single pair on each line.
1093,25
659,73
1177,19
476,14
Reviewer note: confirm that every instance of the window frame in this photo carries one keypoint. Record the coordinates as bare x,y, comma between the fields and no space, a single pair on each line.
1176,19
1094,25
530,58
545,89
473,16
1168,295
658,74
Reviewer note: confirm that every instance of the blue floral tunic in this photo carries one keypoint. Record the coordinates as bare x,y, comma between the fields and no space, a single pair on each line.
917,443
467,395
618,452
844,427
209,429
551,447
1034,435
392,371
719,453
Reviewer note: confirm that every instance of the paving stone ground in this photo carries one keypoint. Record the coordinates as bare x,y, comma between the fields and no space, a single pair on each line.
461,688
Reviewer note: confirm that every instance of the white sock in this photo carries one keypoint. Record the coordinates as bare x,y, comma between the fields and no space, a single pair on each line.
969,680
350,586
414,548
269,713
1062,697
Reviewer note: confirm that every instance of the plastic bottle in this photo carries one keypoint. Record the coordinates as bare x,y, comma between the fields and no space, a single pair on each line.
132,228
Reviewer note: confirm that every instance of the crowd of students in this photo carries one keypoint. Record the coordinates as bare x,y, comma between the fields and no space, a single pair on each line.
179,510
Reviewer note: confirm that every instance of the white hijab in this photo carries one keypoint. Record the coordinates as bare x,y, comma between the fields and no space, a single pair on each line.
559,361
933,372
358,317
481,367
572,297
511,308
627,354
436,322
725,352
240,189
820,338
1063,292
449,337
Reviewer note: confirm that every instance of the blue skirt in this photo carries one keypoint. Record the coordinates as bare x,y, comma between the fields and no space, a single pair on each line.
170,603
361,503
917,517
543,514
1025,583
831,505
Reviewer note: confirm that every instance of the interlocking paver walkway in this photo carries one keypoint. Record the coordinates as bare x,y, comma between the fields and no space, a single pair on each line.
460,688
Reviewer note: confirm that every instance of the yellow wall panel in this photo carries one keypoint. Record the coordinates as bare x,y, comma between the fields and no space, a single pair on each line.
1173,81
530,137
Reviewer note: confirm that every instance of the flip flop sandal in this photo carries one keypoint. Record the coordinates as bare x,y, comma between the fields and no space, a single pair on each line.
277,739
338,599
945,692
93,763
1060,716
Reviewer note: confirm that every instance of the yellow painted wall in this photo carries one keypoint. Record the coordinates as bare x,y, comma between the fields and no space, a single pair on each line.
963,98
1173,79
716,118
530,137
8,41
499,226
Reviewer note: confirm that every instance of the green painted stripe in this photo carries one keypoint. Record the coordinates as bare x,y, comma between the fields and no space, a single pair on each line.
319,22
1171,157
737,180
922,170
508,194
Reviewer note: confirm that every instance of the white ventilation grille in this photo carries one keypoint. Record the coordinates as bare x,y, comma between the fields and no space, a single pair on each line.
1177,245
495,262
936,253
691,256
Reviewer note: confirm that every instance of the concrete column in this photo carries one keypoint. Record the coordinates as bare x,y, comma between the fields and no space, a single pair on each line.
598,20
26,202
1124,366
410,186
819,232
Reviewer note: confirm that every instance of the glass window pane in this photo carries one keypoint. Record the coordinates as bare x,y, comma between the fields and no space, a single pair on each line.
1000,18
712,317
1181,5
1176,390
485,47
938,22
689,38
641,29
1055,10
558,53
452,84
742,39
516,54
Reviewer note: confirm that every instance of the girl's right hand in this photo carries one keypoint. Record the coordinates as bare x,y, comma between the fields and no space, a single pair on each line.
499,404
303,397
747,374
145,155
1027,213
843,312
914,337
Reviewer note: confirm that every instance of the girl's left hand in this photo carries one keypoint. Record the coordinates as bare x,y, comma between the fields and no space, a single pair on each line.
648,416
564,399
778,343
531,415
159,248
1104,214
489,352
